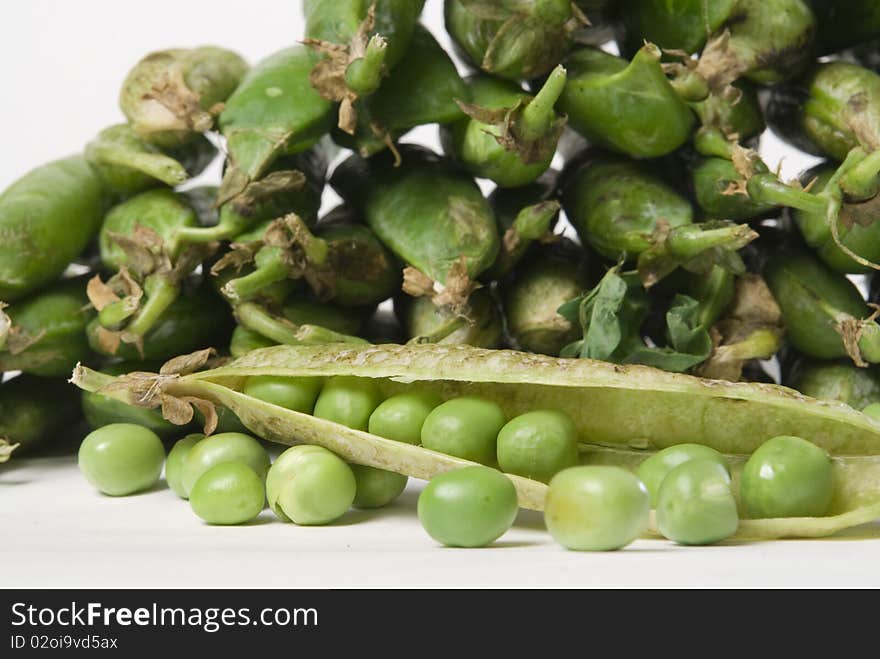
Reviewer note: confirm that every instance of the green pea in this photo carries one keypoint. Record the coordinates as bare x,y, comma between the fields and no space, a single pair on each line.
538,444
468,507
376,487
465,427
653,470
695,505
224,447
873,411
297,394
309,485
348,400
401,417
787,477
175,461
596,508
228,493
121,458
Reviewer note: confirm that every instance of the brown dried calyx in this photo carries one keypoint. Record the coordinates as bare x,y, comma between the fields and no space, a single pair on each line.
752,329
505,122
7,448
13,339
150,390
454,293
328,77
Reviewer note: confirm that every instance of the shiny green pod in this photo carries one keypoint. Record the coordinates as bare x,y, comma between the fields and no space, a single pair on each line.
825,315
47,218
170,96
429,215
629,107
513,39
47,335
671,24
508,136
274,111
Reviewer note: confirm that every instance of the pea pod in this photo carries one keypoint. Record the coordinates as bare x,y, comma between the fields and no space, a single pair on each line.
244,340
422,89
139,239
552,275
833,380
736,113
526,215
508,136
733,418
47,218
764,41
35,412
196,318
46,334
171,96
478,325
128,165
672,24
429,215
273,112
623,210
825,315
630,107
342,261
360,41
845,24
513,39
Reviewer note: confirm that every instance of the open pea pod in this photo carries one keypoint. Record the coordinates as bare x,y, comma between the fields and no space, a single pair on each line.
734,418
128,165
629,107
422,89
430,215
508,136
47,218
513,39
845,24
360,41
46,331
170,96
273,112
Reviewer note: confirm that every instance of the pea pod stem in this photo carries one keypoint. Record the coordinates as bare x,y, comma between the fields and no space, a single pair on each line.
539,117
532,223
364,75
692,240
766,188
257,319
272,269
160,291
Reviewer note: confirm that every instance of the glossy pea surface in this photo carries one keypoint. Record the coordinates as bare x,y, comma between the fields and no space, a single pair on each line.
787,477
310,485
224,447
654,470
695,505
297,394
401,417
348,400
596,508
468,507
465,427
376,487
538,444
175,460
121,458
228,493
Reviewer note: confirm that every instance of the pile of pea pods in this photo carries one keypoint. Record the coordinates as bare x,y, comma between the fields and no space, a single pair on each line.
599,196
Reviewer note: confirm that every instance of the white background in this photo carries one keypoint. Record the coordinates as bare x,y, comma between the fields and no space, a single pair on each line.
62,64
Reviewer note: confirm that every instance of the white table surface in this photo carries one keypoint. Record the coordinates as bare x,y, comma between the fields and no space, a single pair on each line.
58,531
